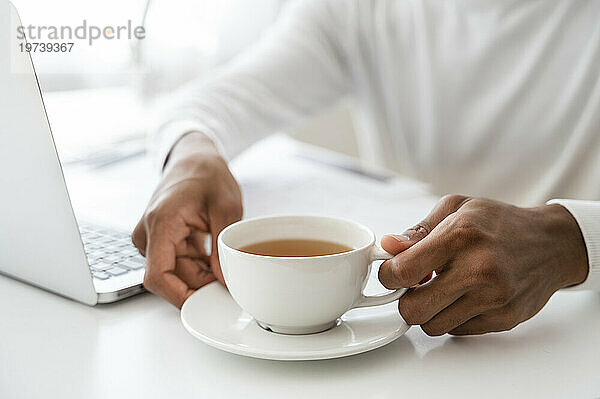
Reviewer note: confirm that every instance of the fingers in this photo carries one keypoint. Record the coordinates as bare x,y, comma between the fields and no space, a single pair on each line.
174,271
414,262
200,244
160,277
410,267
193,272
172,233
394,244
458,313
496,320
421,304
483,324
194,246
219,219
169,286
138,237
447,205
444,207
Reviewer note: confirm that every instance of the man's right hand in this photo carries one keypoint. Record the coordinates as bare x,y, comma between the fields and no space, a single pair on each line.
196,197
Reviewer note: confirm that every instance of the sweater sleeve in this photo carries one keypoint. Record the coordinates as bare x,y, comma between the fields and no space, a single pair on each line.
587,215
298,68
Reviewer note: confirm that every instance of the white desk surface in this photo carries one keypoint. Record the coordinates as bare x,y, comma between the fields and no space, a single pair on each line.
51,347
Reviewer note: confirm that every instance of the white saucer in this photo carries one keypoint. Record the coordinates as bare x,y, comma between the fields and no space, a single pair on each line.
212,316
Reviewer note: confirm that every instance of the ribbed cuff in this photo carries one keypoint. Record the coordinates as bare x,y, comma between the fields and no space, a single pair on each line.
169,134
587,215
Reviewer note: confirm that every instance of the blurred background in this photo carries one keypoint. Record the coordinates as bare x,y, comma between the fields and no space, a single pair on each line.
103,99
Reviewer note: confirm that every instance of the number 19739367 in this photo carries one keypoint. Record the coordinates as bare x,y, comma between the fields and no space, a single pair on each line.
46,47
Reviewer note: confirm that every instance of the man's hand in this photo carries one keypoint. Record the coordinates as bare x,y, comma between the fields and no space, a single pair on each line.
496,265
196,197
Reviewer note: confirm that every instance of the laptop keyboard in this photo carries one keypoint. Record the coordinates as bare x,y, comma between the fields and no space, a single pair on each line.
110,253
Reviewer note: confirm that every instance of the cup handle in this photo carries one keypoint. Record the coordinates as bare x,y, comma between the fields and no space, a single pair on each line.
377,253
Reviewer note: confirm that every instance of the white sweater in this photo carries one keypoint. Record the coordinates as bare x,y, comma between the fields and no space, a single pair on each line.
495,98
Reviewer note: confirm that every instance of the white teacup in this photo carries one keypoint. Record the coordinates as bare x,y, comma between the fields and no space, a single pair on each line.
300,295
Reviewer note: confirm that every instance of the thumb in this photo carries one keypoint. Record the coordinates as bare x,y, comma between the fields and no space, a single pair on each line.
394,244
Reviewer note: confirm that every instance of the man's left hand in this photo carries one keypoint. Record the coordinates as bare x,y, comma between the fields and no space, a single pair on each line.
496,264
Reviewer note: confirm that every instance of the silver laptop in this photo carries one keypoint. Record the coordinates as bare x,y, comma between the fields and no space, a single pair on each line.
41,242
